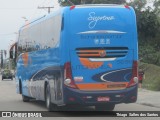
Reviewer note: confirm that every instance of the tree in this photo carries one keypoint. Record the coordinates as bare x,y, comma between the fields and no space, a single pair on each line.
148,23
108,1
147,20
78,2
157,6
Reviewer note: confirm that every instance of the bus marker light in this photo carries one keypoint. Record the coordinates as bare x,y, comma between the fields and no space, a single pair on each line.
126,6
72,7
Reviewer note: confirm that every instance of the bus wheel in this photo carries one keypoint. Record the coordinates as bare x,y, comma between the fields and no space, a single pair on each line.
25,98
49,105
48,98
108,107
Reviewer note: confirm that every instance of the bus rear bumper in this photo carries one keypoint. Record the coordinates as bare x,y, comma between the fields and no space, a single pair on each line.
89,98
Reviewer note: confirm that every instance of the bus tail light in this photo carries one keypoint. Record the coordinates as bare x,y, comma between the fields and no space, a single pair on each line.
134,79
68,81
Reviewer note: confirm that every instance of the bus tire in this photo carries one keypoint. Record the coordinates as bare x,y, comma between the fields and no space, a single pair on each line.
25,98
49,105
108,107
48,98
20,87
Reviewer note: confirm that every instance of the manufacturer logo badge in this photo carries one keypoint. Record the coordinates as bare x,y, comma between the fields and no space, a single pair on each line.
102,53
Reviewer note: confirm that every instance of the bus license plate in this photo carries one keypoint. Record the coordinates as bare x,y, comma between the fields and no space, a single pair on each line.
102,99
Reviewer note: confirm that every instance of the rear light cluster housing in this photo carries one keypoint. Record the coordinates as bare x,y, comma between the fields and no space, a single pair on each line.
134,79
68,80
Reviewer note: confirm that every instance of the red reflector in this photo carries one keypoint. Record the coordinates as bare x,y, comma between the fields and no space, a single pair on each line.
133,97
72,7
126,6
71,99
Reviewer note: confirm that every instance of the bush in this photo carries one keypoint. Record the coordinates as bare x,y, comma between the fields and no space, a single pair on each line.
149,54
152,76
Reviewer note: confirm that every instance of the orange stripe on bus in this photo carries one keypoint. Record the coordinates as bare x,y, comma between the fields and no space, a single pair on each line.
102,86
25,59
91,65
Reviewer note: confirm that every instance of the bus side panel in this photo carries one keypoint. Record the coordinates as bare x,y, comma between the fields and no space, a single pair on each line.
40,53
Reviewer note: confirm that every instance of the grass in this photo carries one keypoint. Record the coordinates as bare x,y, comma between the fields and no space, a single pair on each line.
152,76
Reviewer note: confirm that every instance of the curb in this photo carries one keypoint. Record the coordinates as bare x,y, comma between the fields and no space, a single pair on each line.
149,98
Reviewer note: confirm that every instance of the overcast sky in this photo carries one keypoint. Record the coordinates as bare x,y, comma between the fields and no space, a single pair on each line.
11,13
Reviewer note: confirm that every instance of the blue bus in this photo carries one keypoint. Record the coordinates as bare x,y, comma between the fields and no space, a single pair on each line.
79,55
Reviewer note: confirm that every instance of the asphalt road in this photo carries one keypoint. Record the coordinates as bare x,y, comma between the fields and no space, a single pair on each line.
11,101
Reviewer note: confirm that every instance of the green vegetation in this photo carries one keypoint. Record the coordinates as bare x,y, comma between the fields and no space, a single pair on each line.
77,2
148,22
152,76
